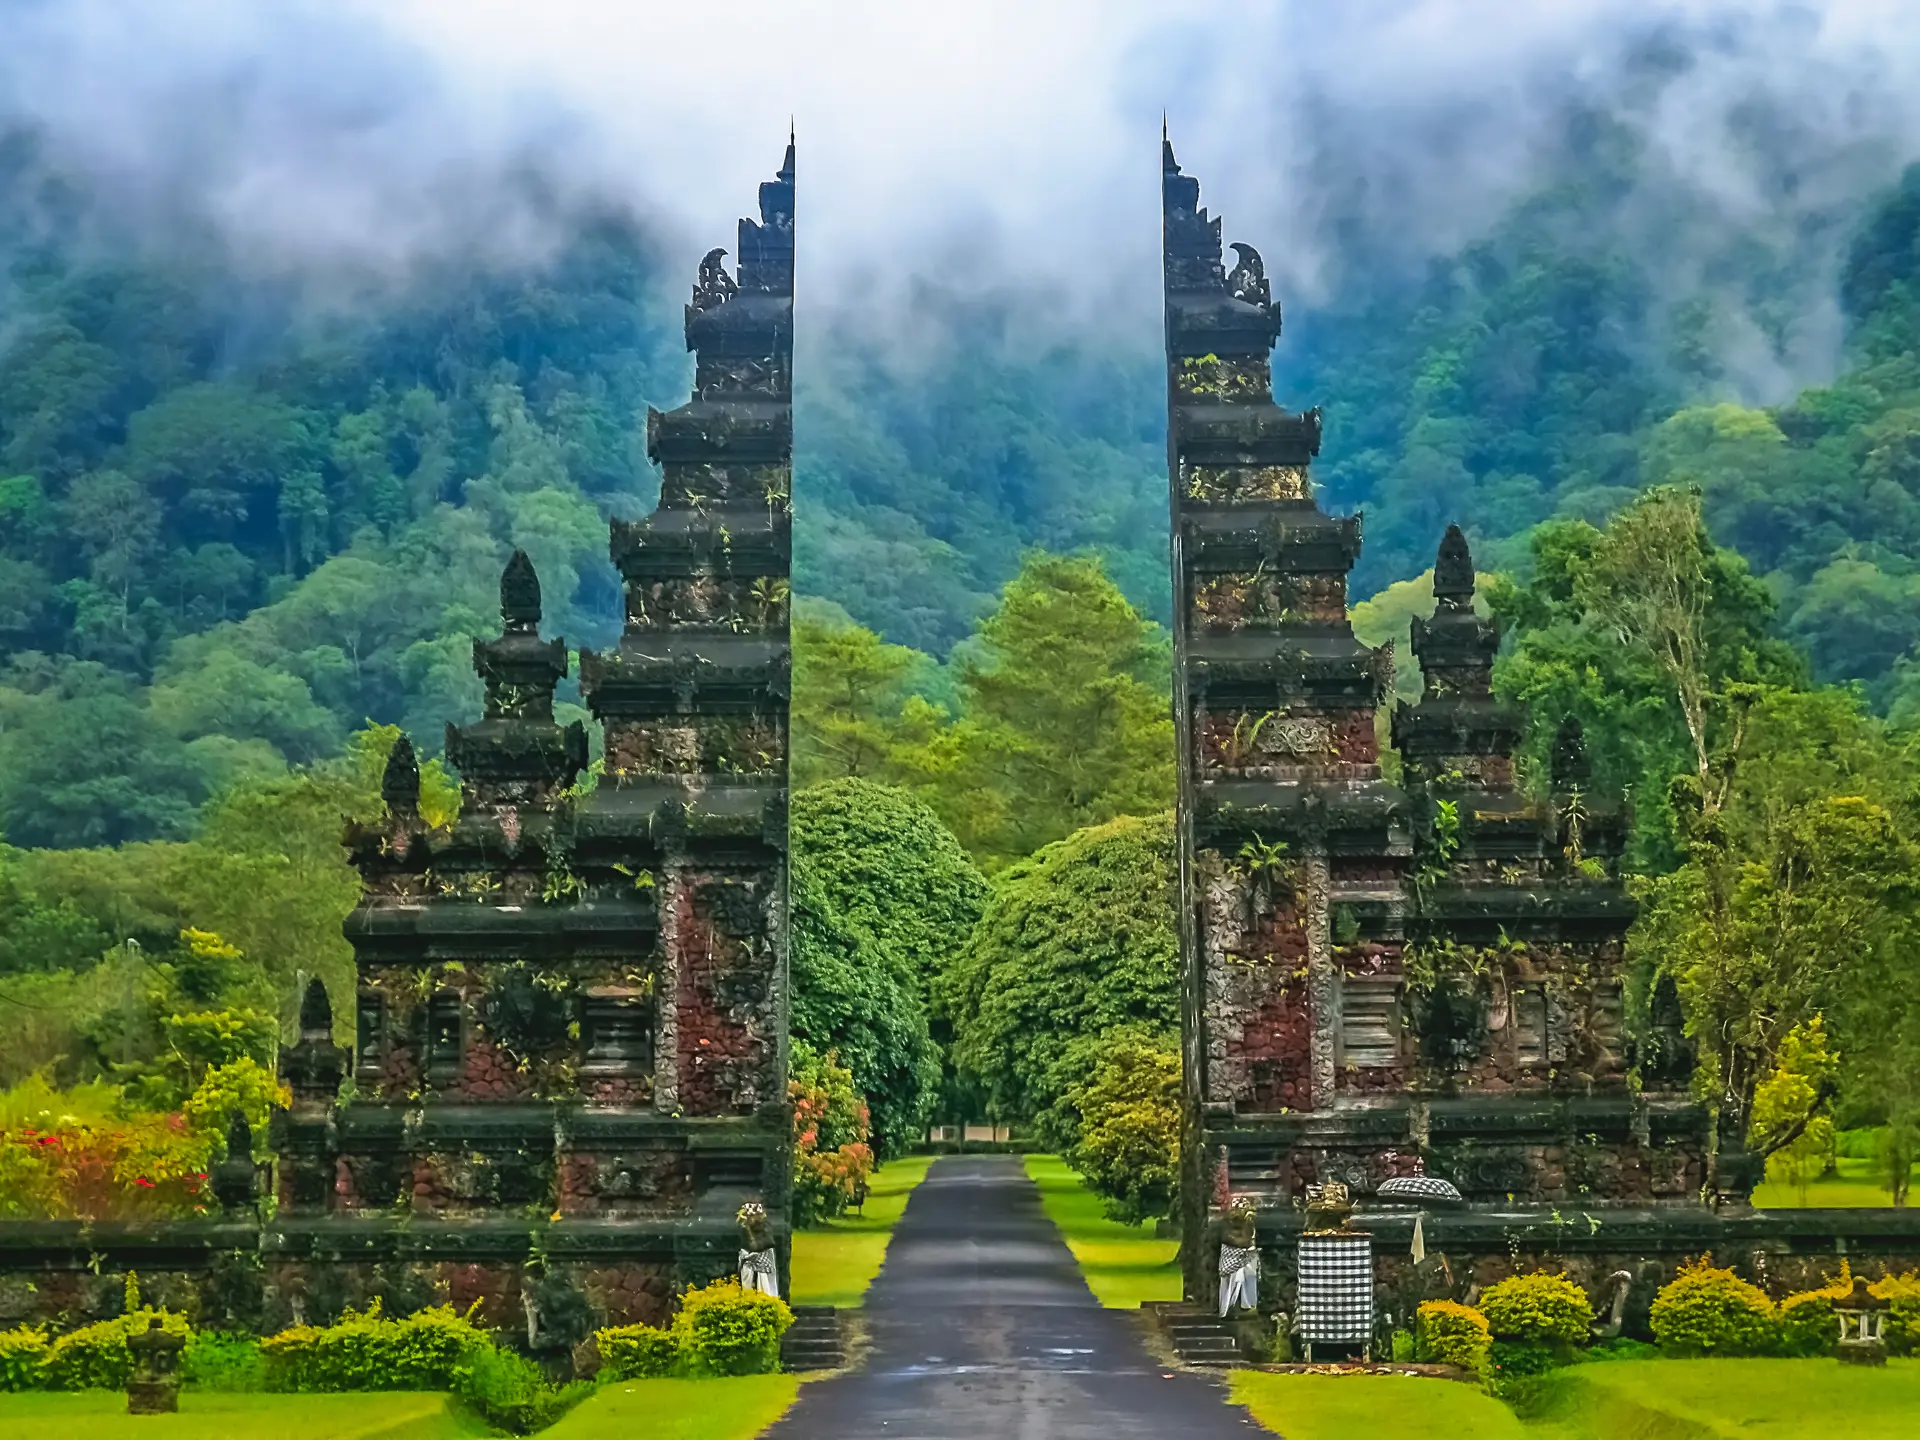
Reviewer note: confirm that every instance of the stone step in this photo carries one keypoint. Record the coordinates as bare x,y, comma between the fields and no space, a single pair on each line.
1213,1350
813,1341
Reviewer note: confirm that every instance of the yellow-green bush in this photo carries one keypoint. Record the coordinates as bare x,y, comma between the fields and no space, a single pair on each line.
1705,1311
1807,1325
725,1330
1538,1309
96,1357
1451,1334
367,1351
637,1352
720,1330
1903,1320
23,1358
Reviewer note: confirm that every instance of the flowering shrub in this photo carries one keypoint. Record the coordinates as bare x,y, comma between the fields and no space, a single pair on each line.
141,1168
831,1126
1450,1334
1538,1309
1705,1311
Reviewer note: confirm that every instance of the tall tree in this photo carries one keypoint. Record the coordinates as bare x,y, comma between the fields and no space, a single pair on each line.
1067,715
1075,951
848,689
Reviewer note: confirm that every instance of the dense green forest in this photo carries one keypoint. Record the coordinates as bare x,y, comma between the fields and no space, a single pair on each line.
236,522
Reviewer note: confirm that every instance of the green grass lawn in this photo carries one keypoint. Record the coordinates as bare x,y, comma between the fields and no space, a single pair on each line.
680,1409
1124,1264
1733,1400
1621,1400
834,1264
1344,1407
1854,1187
102,1415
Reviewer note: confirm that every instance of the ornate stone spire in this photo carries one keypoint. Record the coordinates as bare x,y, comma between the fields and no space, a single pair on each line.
400,782
316,1012
1458,733
517,752
519,596
1453,572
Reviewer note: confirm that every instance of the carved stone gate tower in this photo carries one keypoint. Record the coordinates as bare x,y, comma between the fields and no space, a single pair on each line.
1378,978
571,1025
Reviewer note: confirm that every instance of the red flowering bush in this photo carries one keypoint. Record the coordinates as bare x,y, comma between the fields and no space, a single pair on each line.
70,1157
831,1129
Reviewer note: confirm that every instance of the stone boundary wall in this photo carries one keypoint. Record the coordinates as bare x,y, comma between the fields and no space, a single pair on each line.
1781,1251
528,1277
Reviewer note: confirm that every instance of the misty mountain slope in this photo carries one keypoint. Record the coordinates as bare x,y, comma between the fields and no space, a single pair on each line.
234,523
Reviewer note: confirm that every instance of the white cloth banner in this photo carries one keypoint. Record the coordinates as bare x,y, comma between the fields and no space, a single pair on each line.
1239,1278
758,1271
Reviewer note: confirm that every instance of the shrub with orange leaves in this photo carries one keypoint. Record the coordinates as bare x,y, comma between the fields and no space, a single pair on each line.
831,1130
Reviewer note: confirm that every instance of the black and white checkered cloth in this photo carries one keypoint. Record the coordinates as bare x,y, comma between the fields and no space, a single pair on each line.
1239,1278
759,1272
1335,1300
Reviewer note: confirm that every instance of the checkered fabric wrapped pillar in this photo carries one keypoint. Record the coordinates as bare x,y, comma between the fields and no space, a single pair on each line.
1334,1303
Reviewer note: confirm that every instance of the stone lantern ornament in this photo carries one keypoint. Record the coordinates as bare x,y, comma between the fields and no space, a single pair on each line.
758,1268
154,1388
1863,1325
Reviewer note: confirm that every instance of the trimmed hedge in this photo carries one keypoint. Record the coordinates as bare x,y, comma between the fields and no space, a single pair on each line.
23,1357
1808,1325
730,1331
720,1330
638,1352
1705,1311
96,1357
1538,1309
1451,1334
367,1351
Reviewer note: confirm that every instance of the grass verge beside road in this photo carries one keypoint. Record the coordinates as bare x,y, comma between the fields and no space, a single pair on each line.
1619,1400
834,1264
102,1415
1123,1264
680,1409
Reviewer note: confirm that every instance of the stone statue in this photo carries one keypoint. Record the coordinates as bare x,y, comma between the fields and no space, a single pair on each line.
715,286
1239,1258
1329,1207
1248,279
758,1268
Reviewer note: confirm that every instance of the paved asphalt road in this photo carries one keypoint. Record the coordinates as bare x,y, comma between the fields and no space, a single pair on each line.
981,1326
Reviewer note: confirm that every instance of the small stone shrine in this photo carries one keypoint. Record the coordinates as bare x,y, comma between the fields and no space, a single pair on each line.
154,1387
